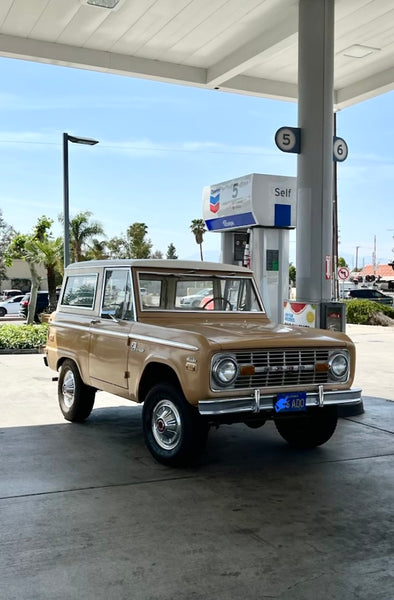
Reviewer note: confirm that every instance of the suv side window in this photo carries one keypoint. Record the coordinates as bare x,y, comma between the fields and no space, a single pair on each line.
80,290
117,297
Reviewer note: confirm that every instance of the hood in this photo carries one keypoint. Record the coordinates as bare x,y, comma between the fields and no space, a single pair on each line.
253,332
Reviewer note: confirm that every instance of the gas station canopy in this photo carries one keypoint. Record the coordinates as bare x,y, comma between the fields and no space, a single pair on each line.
248,47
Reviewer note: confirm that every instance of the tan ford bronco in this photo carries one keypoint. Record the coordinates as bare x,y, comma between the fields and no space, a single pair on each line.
126,327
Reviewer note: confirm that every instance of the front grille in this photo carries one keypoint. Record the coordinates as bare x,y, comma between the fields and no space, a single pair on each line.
276,368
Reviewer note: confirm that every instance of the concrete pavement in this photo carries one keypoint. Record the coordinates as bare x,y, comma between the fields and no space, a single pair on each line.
375,359
86,513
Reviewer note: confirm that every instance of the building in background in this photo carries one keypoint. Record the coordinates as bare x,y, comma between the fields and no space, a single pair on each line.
381,276
19,277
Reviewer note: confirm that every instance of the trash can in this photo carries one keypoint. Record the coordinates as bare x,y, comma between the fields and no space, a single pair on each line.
333,316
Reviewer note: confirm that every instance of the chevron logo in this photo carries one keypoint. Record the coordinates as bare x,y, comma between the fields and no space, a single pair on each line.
214,201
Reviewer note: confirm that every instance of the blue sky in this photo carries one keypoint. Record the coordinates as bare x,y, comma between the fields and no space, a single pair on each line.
160,144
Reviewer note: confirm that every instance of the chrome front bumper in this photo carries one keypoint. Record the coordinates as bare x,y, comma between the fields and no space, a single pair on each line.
258,403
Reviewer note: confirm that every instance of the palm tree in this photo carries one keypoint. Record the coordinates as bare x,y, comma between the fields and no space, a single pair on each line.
51,252
81,231
97,250
198,229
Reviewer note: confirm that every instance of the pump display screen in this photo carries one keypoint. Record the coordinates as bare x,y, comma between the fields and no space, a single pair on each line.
272,260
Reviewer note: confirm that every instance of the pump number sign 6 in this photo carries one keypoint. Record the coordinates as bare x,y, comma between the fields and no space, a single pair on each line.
340,149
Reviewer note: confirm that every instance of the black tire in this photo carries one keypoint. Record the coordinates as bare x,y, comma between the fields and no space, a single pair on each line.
174,431
76,399
308,431
3,311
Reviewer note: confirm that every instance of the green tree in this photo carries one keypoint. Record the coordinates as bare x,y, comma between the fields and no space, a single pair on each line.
171,251
198,229
117,247
140,246
342,262
6,235
292,274
134,244
96,250
156,254
82,230
23,246
36,248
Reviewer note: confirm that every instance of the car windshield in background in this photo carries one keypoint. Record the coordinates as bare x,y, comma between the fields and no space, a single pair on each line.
183,292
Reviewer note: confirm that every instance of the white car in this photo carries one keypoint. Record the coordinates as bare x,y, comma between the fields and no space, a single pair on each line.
11,306
195,299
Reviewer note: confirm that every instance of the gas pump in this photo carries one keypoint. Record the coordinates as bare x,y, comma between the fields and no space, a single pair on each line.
254,215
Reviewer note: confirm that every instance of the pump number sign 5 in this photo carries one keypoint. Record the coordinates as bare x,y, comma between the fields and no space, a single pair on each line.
288,139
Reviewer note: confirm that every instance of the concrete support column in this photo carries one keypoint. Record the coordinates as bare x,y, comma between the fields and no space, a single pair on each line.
273,284
315,163
227,250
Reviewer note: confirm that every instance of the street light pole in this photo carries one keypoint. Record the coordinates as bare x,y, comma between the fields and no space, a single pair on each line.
66,203
66,214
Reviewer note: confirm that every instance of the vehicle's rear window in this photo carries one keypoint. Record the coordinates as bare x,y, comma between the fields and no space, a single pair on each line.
80,290
183,291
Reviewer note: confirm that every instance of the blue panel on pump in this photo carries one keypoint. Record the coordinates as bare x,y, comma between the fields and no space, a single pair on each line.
282,215
231,222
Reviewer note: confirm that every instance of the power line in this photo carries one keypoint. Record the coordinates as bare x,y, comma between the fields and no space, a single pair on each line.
153,148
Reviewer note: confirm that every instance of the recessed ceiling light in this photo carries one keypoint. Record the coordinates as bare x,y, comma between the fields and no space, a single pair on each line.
102,3
359,51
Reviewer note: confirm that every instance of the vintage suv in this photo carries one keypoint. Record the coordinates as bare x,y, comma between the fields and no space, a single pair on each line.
123,326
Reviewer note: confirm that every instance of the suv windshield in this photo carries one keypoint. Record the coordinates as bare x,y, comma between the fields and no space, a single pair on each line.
182,292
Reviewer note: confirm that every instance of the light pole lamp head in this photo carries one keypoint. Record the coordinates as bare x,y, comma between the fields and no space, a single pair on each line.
81,140
109,4
66,216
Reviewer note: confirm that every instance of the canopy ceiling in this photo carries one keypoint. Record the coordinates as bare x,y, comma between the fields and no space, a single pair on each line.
242,46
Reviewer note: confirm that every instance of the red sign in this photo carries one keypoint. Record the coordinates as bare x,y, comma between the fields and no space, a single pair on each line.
343,273
328,267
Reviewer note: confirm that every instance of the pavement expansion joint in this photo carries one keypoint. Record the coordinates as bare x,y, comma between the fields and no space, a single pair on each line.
97,487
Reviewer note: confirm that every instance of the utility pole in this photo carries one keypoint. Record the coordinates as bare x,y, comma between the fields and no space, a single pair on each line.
356,267
374,256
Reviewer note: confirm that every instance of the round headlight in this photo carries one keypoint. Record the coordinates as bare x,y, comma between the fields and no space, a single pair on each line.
225,370
339,365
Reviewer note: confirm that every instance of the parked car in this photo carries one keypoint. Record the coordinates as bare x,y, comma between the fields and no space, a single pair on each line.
41,306
193,369
386,286
10,306
195,299
370,294
6,294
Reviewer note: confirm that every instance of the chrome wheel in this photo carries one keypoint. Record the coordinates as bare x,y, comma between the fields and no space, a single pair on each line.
174,432
76,399
68,389
166,424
